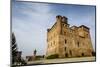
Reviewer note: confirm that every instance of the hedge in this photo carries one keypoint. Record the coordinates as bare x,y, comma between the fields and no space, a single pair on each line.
53,56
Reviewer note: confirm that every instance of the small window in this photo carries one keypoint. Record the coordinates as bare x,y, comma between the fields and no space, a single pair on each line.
70,52
63,24
82,54
66,54
78,44
65,48
65,41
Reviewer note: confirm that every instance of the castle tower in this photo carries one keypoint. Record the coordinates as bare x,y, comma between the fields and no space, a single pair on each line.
68,41
85,41
54,36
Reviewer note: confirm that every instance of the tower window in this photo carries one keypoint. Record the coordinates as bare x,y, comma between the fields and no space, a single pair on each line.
66,54
65,41
70,52
63,24
82,54
65,48
78,44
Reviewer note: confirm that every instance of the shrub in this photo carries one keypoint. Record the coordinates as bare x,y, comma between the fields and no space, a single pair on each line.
52,56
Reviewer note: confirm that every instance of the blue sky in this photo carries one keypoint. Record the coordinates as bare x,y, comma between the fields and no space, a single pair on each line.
31,20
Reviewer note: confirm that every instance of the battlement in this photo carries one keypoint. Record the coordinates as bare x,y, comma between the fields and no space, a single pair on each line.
85,28
48,30
58,18
61,18
74,27
64,19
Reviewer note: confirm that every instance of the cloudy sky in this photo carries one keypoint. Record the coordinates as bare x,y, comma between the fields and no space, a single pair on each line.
31,20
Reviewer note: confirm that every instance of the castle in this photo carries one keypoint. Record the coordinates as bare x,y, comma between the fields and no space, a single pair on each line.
68,41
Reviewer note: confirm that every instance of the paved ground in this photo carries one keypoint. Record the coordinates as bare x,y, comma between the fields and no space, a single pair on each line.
64,60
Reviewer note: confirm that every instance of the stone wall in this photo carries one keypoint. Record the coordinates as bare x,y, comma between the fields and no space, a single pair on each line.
68,41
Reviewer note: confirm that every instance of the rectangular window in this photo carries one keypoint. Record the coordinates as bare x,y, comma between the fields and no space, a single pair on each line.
65,48
70,52
78,44
65,41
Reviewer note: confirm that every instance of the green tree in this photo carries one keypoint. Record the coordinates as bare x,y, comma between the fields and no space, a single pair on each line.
14,48
16,55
